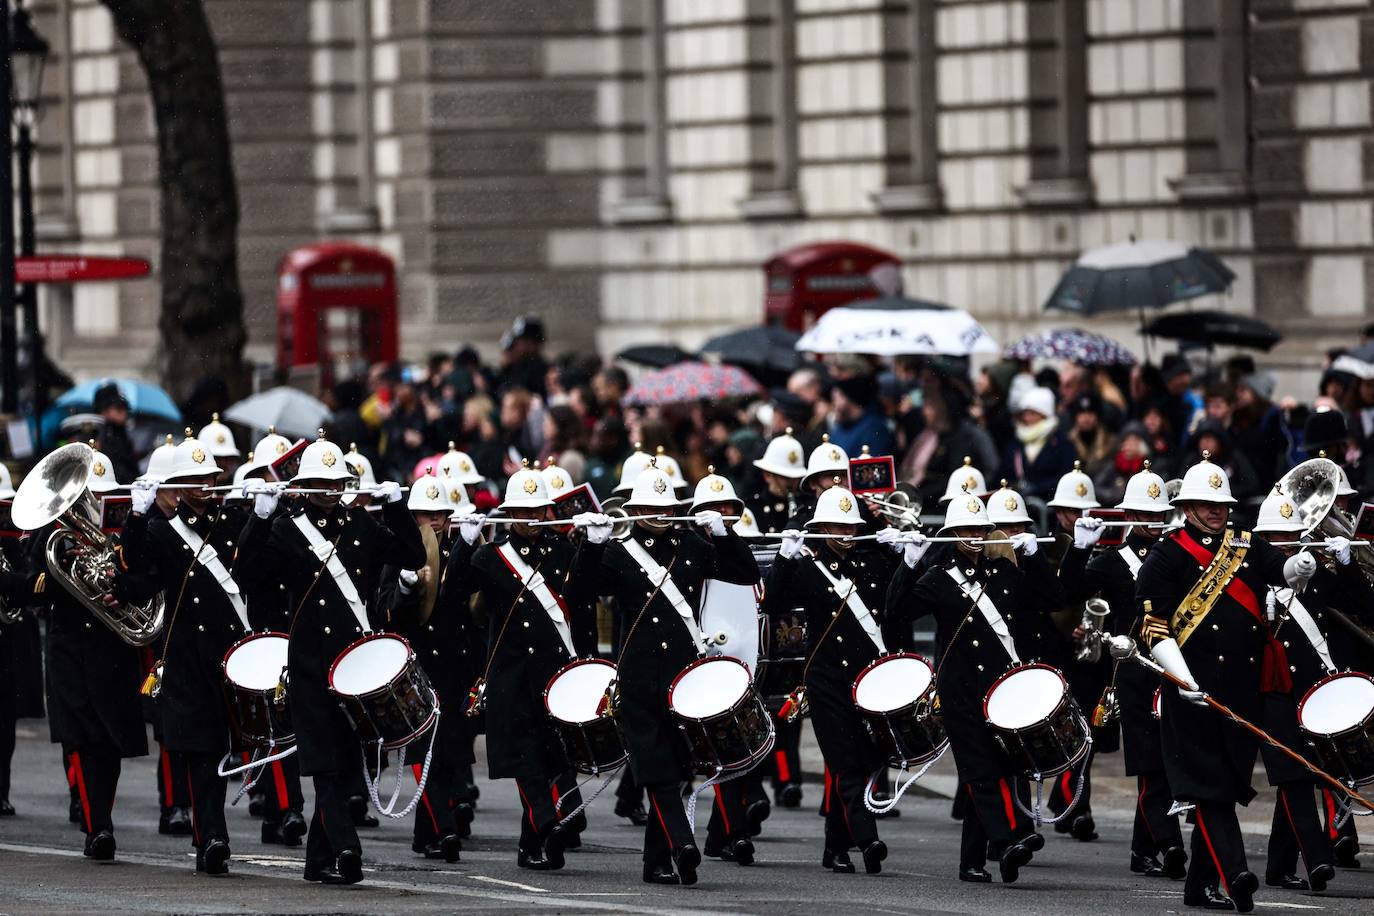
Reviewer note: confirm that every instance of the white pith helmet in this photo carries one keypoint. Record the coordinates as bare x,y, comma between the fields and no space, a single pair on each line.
526,490
1278,513
1205,482
826,459
964,479
271,446
836,506
556,479
783,457
218,438
459,466
653,489
322,460
101,478
191,458
713,489
967,511
630,469
428,494
160,461
1146,491
1007,507
1075,490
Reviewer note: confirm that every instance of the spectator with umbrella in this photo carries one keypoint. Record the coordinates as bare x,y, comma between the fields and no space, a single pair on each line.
1042,449
113,408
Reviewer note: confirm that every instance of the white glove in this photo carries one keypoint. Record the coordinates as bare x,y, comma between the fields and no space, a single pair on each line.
470,527
1339,548
914,546
1170,658
713,520
1086,533
1298,569
891,538
144,494
388,491
791,546
408,579
597,526
266,495
1025,542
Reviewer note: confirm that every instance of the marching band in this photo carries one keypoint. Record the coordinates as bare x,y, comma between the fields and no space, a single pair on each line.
288,615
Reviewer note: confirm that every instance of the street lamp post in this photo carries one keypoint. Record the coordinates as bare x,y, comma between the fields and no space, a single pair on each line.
28,55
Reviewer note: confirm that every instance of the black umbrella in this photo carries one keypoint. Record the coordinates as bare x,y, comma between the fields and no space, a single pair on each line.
897,304
1359,362
1138,275
768,348
659,356
1211,328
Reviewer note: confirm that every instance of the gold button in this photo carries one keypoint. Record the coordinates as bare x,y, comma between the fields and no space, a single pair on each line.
531,650
321,602
1285,644
433,651
201,628
191,573
357,543
195,601
1221,658
526,624
663,644
839,639
980,667
1293,668
655,620
975,644
326,631
1215,627
844,662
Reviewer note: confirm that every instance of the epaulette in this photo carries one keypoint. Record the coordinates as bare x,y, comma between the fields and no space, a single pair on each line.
1154,628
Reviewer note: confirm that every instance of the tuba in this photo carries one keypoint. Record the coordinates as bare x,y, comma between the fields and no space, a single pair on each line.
1093,624
79,554
623,524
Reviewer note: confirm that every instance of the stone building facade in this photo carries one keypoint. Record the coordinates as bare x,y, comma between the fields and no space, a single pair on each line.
624,167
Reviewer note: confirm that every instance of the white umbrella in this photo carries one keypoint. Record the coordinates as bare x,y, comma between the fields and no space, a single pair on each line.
292,412
880,332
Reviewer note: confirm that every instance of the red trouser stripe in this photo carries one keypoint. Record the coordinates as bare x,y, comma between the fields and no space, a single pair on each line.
1140,804
784,771
724,815
529,809
418,770
825,801
279,781
1007,802
1207,840
167,792
553,790
1330,814
71,773
195,815
1292,824
653,803
1066,786
81,790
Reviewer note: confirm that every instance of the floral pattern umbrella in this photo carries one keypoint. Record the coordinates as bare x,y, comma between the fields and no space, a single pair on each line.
686,382
1072,344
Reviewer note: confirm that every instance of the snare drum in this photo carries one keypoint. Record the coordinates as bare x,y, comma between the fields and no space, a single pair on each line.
1338,715
383,691
895,696
720,715
590,739
252,671
1036,720
783,640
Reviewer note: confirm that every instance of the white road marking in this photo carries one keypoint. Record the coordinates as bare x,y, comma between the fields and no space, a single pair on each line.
514,884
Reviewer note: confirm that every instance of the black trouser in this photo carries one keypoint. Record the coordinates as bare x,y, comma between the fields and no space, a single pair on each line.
207,790
7,728
1066,784
567,798
991,822
728,821
537,817
172,790
786,753
461,789
331,827
95,773
1155,830
628,791
1296,829
1218,854
667,830
848,822
281,784
434,814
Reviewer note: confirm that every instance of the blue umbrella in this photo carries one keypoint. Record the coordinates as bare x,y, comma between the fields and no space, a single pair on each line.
145,399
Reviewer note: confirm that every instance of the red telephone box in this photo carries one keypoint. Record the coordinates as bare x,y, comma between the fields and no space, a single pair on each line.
805,282
336,310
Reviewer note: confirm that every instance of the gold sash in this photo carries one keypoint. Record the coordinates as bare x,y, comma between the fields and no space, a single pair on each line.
1198,603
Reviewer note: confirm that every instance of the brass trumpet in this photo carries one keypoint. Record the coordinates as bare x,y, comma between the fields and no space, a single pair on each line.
1093,624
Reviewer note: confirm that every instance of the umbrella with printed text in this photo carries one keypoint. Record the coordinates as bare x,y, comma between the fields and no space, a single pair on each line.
911,332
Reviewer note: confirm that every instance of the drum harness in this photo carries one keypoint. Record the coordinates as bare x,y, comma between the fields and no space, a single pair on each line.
327,552
989,612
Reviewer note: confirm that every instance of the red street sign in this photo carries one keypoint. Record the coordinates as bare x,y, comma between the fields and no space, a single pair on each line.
77,268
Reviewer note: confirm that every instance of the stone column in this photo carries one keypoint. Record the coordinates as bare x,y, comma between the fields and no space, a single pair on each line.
1061,179
914,185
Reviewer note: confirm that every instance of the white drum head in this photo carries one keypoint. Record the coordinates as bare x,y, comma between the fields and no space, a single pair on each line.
892,684
576,693
1339,704
710,688
257,664
369,665
1024,698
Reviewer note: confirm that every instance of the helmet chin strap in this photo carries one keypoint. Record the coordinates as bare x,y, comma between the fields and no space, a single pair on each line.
1192,514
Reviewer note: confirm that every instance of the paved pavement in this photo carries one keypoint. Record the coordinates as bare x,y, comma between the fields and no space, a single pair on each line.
42,870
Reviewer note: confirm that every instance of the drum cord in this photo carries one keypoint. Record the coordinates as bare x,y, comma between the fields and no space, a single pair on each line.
716,779
1344,811
254,763
564,820
371,782
1036,815
883,808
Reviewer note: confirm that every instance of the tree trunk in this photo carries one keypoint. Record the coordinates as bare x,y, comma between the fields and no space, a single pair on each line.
201,320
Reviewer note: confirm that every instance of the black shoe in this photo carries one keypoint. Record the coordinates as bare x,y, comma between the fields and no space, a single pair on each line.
1345,850
1175,862
660,874
634,811
975,875
1287,882
571,840
448,848
1319,876
357,809
255,805
1243,887
463,816
720,850
1034,842
275,835
293,827
553,850
75,815
6,809
101,846
327,875
217,857
350,866
1209,899
1063,825
789,796
687,859
534,861
1084,829
756,813
874,854
742,851
178,822
837,862
1011,861
1148,866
